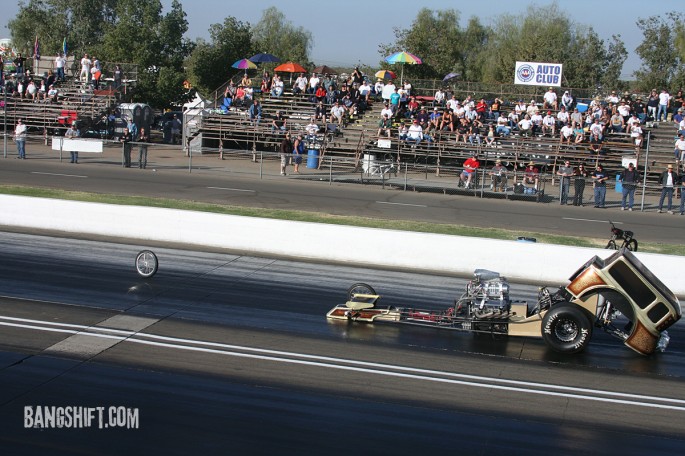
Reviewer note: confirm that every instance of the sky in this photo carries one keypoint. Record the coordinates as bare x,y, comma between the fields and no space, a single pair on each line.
349,32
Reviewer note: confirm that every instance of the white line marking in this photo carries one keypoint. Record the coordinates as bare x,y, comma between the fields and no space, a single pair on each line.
401,204
590,220
232,189
366,367
57,174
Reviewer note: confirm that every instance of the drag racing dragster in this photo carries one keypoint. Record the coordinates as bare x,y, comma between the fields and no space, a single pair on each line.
618,295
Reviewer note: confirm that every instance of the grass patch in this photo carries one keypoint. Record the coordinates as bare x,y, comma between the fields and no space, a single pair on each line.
315,217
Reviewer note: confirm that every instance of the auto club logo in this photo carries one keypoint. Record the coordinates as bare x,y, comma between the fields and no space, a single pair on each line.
525,73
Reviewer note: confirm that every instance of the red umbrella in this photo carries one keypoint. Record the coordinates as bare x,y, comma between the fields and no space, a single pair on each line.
290,67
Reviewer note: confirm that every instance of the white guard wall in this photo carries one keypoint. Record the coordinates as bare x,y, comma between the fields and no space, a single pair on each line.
543,263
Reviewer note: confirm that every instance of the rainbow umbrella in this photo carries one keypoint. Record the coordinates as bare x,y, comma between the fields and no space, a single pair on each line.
385,74
244,64
403,57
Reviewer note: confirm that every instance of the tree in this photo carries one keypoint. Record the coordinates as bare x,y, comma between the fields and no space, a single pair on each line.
662,66
209,65
434,36
275,35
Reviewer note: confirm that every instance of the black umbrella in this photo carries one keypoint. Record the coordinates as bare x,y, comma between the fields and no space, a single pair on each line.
263,58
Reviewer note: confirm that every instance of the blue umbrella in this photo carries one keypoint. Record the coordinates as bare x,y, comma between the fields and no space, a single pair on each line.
262,58
450,76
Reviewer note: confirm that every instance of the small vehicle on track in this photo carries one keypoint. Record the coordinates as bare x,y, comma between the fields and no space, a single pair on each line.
625,238
618,295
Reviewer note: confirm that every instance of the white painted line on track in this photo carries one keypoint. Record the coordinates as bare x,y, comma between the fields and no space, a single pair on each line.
363,366
58,174
401,204
590,220
233,189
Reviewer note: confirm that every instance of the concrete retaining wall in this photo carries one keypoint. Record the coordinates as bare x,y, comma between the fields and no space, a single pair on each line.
543,263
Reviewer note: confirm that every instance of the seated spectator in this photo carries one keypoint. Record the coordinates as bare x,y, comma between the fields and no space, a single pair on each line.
578,134
321,95
276,86
596,142
566,134
337,113
385,126
470,167
52,94
423,117
246,81
300,84
279,123
481,109
617,123
531,176
536,119
636,135
320,112
312,129
498,174
439,99
563,117
255,112
502,126
550,100
415,133
549,125
490,137
496,107
402,131
526,126
447,122
679,150
567,100
386,111
435,119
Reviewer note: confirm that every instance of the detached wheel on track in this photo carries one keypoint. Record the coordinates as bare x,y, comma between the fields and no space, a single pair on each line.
566,328
146,263
360,288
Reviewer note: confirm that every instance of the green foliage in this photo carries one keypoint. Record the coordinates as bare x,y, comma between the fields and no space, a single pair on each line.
209,65
662,65
275,35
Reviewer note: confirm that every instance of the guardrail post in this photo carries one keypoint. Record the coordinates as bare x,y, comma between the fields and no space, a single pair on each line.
261,163
330,170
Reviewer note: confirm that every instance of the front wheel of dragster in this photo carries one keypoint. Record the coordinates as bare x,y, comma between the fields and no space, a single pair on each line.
566,328
146,263
360,288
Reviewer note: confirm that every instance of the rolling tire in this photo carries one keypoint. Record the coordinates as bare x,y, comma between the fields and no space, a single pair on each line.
611,245
632,245
360,288
566,328
146,263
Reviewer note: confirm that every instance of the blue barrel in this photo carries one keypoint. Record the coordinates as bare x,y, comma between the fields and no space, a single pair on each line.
619,184
313,159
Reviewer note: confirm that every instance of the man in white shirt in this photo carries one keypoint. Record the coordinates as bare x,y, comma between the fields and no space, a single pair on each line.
664,99
536,118
566,133
550,99
566,100
314,82
300,84
613,98
415,132
85,68
60,62
337,113
439,98
680,148
386,111
525,126
549,124
563,116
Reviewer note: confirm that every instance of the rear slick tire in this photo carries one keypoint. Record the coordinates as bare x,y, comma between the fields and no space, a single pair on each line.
360,288
566,328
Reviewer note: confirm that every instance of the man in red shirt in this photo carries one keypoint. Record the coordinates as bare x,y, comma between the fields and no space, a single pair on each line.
470,166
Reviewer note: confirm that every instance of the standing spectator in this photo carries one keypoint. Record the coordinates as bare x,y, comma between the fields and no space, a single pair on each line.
313,83
86,63
652,104
132,128
126,139
682,193
579,185
20,139
630,179
599,179
636,134
664,100
298,151
677,103
176,130
565,171
143,139
118,77
72,133
60,62
668,180
95,73
286,152
19,62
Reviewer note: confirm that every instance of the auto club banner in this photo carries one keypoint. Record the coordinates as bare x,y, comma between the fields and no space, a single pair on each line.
538,74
